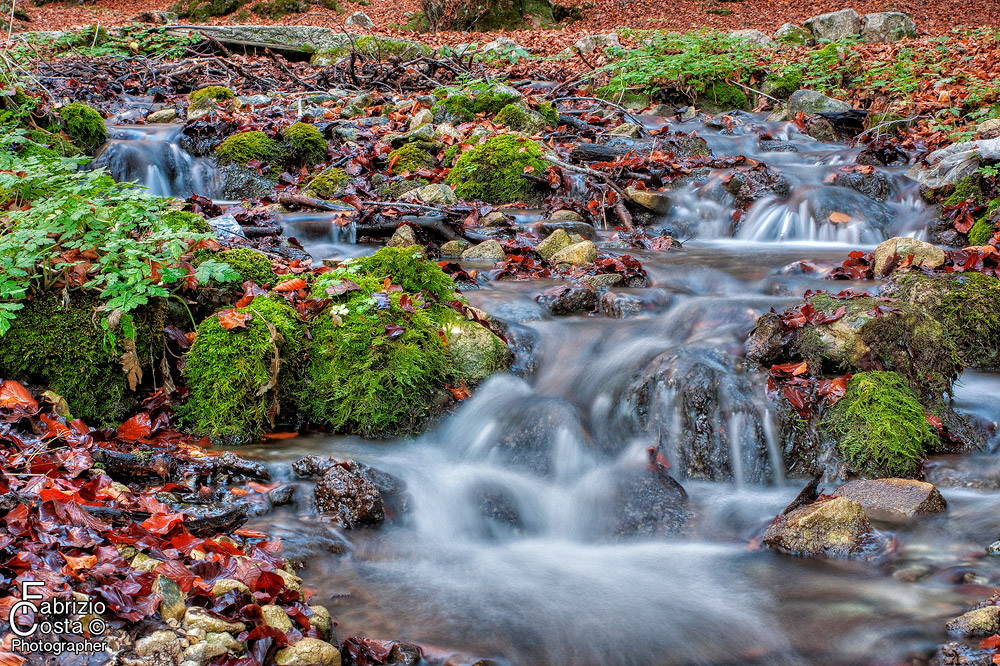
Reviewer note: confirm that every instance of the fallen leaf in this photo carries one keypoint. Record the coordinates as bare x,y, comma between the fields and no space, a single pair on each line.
840,218
233,318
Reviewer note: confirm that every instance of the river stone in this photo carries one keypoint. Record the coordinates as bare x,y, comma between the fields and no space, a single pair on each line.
172,603
162,116
198,618
887,27
754,37
583,229
789,33
226,640
835,26
403,236
650,503
308,652
204,652
568,299
578,254
556,241
748,185
833,528
421,117
241,182
349,497
359,19
454,248
951,164
322,621
494,219
811,102
604,280
566,215
200,108
437,193
143,562
476,351
275,616
224,585
487,251
159,647
924,254
874,184
979,622
591,43
893,498
658,202
620,306
630,130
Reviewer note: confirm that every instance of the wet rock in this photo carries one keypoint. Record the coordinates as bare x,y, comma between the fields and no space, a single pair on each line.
556,241
143,562
308,652
487,251
282,495
657,202
811,102
899,248
198,618
591,43
765,344
454,248
874,184
749,185
159,648
951,164
957,654
172,604
789,33
322,621
630,130
650,503
225,640
275,616
887,27
978,622
224,585
404,236
822,129
875,215
603,280
834,26
162,116
569,299
882,154
833,528
437,193
312,466
204,652
621,306
566,215
494,219
240,182
755,37
498,506
532,428
405,655
349,497
893,498
578,254
200,108
359,19
477,352
778,146
979,472
571,227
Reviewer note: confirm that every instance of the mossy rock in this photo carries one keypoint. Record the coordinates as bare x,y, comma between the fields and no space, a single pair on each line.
218,93
879,426
494,171
305,144
549,111
969,188
250,264
397,187
411,157
66,349
491,15
520,119
84,125
328,184
244,147
489,99
380,359
180,220
981,232
202,10
90,36
48,144
782,85
235,392
723,96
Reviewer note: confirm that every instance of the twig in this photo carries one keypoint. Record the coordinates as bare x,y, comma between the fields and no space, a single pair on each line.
891,122
625,111
620,209
748,88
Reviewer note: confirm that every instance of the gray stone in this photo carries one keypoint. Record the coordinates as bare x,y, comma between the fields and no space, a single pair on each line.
240,182
835,26
162,116
887,27
991,125
487,251
630,130
603,280
755,37
494,219
578,254
888,499
202,653
403,237
447,130
833,528
566,215
202,107
556,241
620,306
437,193
811,102
160,647
226,227
499,47
454,248
568,299
261,100
591,43
359,19
421,117
924,254
476,352
308,652
362,101
951,164
789,33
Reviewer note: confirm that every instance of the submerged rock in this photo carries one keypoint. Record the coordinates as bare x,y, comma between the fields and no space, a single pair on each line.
893,498
835,528
569,299
650,503
578,254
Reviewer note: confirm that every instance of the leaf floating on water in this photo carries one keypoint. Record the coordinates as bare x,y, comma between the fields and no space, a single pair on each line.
233,318
840,218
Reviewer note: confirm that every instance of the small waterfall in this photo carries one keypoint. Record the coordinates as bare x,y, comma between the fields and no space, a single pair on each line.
735,447
322,234
774,448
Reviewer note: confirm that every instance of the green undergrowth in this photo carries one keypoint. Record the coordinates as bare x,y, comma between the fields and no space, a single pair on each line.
494,170
133,40
250,264
84,125
879,426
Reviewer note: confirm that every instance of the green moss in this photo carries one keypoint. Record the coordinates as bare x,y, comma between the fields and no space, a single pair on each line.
724,96
218,93
231,374
520,119
451,154
306,145
981,232
328,184
84,125
783,85
48,144
409,269
494,171
246,146
879,426
549,112
397,187
276,9
969,188
459,109
180,220
250,264
66,349
625,98
493,100
411,157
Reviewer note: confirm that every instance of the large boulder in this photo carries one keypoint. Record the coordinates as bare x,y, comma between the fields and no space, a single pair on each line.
889,499
811,102
953,163
649,503
835,26
835,528
900,248
789,33
887,27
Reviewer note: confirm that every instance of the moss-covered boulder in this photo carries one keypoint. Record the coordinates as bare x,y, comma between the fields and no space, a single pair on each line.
65,348
250,264
84,125
879,426
722,96
491,15
219,94
241,377
521,119
328,184
494,171
381,358
305,144
411,157
180,220
834,528
244,147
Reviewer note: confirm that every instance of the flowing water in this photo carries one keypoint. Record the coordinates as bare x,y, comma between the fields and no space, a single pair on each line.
544,578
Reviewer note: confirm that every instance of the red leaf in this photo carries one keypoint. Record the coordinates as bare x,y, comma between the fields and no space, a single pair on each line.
394,331
163,523
291,285
15,396
990,643
136,428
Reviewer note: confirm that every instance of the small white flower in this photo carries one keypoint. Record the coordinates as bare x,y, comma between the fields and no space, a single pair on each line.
340,310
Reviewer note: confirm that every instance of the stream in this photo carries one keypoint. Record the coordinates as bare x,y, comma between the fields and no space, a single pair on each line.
520,559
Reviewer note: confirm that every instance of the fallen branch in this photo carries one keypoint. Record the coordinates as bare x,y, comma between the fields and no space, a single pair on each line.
625,111
620,209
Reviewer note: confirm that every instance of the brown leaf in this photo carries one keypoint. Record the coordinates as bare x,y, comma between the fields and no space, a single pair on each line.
233,318
840,218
